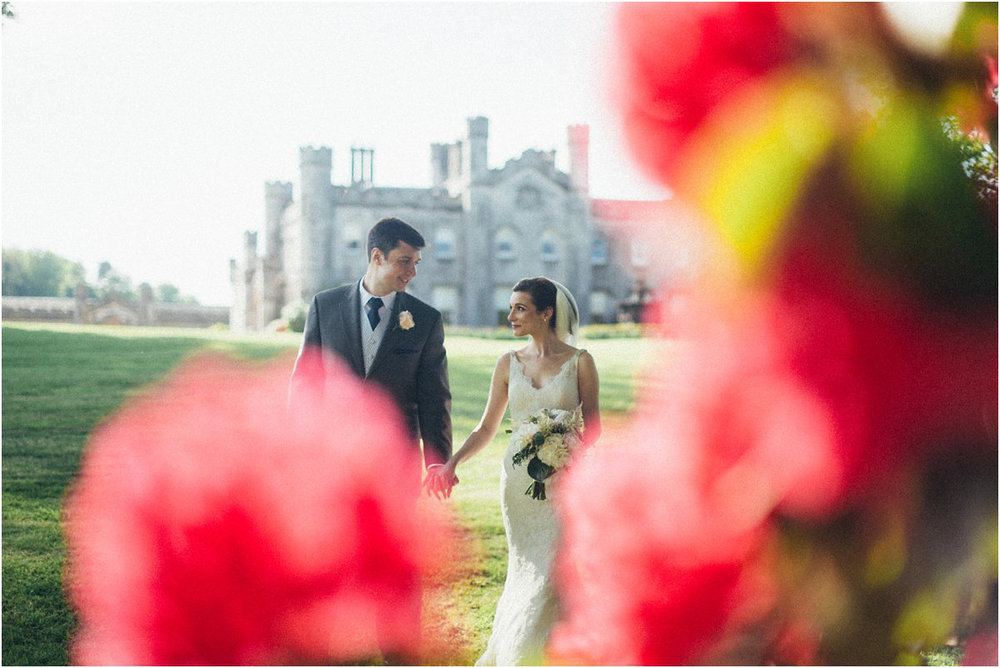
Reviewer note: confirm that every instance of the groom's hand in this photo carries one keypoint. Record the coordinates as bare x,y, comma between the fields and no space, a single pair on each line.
438,482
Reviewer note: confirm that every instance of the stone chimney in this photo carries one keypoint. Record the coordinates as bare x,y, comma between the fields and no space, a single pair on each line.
579,157
476,155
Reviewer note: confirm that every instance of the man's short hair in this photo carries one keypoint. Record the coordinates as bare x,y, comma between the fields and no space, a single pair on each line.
388,232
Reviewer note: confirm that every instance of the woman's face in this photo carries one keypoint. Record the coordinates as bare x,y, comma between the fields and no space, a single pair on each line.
524,318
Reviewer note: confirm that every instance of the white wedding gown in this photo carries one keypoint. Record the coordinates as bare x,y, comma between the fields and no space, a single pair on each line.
528,607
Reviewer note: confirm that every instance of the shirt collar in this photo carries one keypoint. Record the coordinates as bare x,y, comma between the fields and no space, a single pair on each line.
388,299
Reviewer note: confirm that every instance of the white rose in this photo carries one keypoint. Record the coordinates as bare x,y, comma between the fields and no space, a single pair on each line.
554,452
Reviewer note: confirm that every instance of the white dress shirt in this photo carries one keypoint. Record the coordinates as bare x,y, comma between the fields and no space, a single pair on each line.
372,338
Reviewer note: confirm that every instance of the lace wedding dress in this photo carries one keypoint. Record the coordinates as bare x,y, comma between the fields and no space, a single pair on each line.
528,607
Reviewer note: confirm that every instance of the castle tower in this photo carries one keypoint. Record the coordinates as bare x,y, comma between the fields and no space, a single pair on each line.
579,157
314,233
439,165
277,197
243,314
475,165
315,168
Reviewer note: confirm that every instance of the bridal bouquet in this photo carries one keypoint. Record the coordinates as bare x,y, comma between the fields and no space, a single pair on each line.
546,440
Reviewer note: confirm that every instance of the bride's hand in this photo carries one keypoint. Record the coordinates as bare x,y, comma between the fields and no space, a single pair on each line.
448,473
440,479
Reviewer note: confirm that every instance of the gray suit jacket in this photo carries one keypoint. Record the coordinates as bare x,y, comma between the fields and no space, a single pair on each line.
410,364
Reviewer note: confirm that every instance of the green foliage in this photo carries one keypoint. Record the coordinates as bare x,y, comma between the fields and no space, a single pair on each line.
39,273
979,159
294,315
624,330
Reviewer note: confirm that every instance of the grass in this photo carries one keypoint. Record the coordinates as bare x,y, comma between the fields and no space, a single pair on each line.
60,381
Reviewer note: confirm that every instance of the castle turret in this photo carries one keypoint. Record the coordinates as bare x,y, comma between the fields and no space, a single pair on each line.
314,234
277,197
579,158
475,158
315,168
439,165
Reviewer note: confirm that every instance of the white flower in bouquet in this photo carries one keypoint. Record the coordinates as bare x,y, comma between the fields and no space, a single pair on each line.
546,441
555,451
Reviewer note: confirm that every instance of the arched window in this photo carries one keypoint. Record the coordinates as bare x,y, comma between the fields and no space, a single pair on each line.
600,302
501,304
550,247
528,197
599,251
506,245
354,237
444,243
640,253
445,299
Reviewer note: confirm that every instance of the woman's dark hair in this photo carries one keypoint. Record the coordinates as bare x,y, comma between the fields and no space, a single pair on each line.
388,232
543,294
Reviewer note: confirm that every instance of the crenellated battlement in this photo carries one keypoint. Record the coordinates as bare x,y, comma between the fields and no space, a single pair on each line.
278,190
319,157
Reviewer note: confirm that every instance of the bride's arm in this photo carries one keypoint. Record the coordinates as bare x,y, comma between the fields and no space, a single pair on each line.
589,386
496,404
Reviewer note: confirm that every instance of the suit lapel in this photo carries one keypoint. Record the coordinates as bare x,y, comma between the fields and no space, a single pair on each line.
387,340
350,312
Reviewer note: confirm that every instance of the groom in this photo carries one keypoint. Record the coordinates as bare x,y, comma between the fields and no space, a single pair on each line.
391,338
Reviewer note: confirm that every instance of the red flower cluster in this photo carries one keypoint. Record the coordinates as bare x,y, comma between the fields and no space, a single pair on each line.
683,60
773,498
211,525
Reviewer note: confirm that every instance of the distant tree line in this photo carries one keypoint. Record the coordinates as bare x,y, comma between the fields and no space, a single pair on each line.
41,273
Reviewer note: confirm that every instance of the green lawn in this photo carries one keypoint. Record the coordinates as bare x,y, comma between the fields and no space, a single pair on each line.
60,381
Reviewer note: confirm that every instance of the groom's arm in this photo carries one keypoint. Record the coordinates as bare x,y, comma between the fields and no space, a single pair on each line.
310,348
434,397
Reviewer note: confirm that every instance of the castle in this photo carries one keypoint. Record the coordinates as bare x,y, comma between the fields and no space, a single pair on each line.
485,229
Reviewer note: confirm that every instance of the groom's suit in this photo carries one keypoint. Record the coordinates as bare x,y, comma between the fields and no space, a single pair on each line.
410,364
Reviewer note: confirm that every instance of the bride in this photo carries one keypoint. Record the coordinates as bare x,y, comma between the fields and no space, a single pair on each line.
547,373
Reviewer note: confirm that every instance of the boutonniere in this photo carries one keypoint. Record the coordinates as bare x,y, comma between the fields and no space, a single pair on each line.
405,321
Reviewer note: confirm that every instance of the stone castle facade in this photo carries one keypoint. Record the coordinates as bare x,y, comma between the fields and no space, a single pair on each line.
485,228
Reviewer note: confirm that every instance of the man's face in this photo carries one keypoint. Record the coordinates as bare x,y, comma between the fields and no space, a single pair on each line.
394,271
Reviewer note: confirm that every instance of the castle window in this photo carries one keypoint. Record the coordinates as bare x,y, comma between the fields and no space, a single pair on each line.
506,244
599,303
445,299
501,304
353,237
444,244
599,251
640,253
528,198
550,247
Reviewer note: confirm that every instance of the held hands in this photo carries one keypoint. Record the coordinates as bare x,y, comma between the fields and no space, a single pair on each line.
440,480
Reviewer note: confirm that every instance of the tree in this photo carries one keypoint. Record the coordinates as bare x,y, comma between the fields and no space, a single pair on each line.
112,284
167,292
38,273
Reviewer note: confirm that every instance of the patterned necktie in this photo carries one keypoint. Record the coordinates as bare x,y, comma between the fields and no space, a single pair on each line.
374,304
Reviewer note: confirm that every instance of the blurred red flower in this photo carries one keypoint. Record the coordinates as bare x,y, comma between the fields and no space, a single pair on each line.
681,60
211,526
900,379
790,482
658,563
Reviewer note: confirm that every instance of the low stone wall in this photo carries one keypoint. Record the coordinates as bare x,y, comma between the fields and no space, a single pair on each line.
40,309
187,315
92,311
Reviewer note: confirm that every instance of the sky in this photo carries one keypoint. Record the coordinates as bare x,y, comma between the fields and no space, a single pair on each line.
142,134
